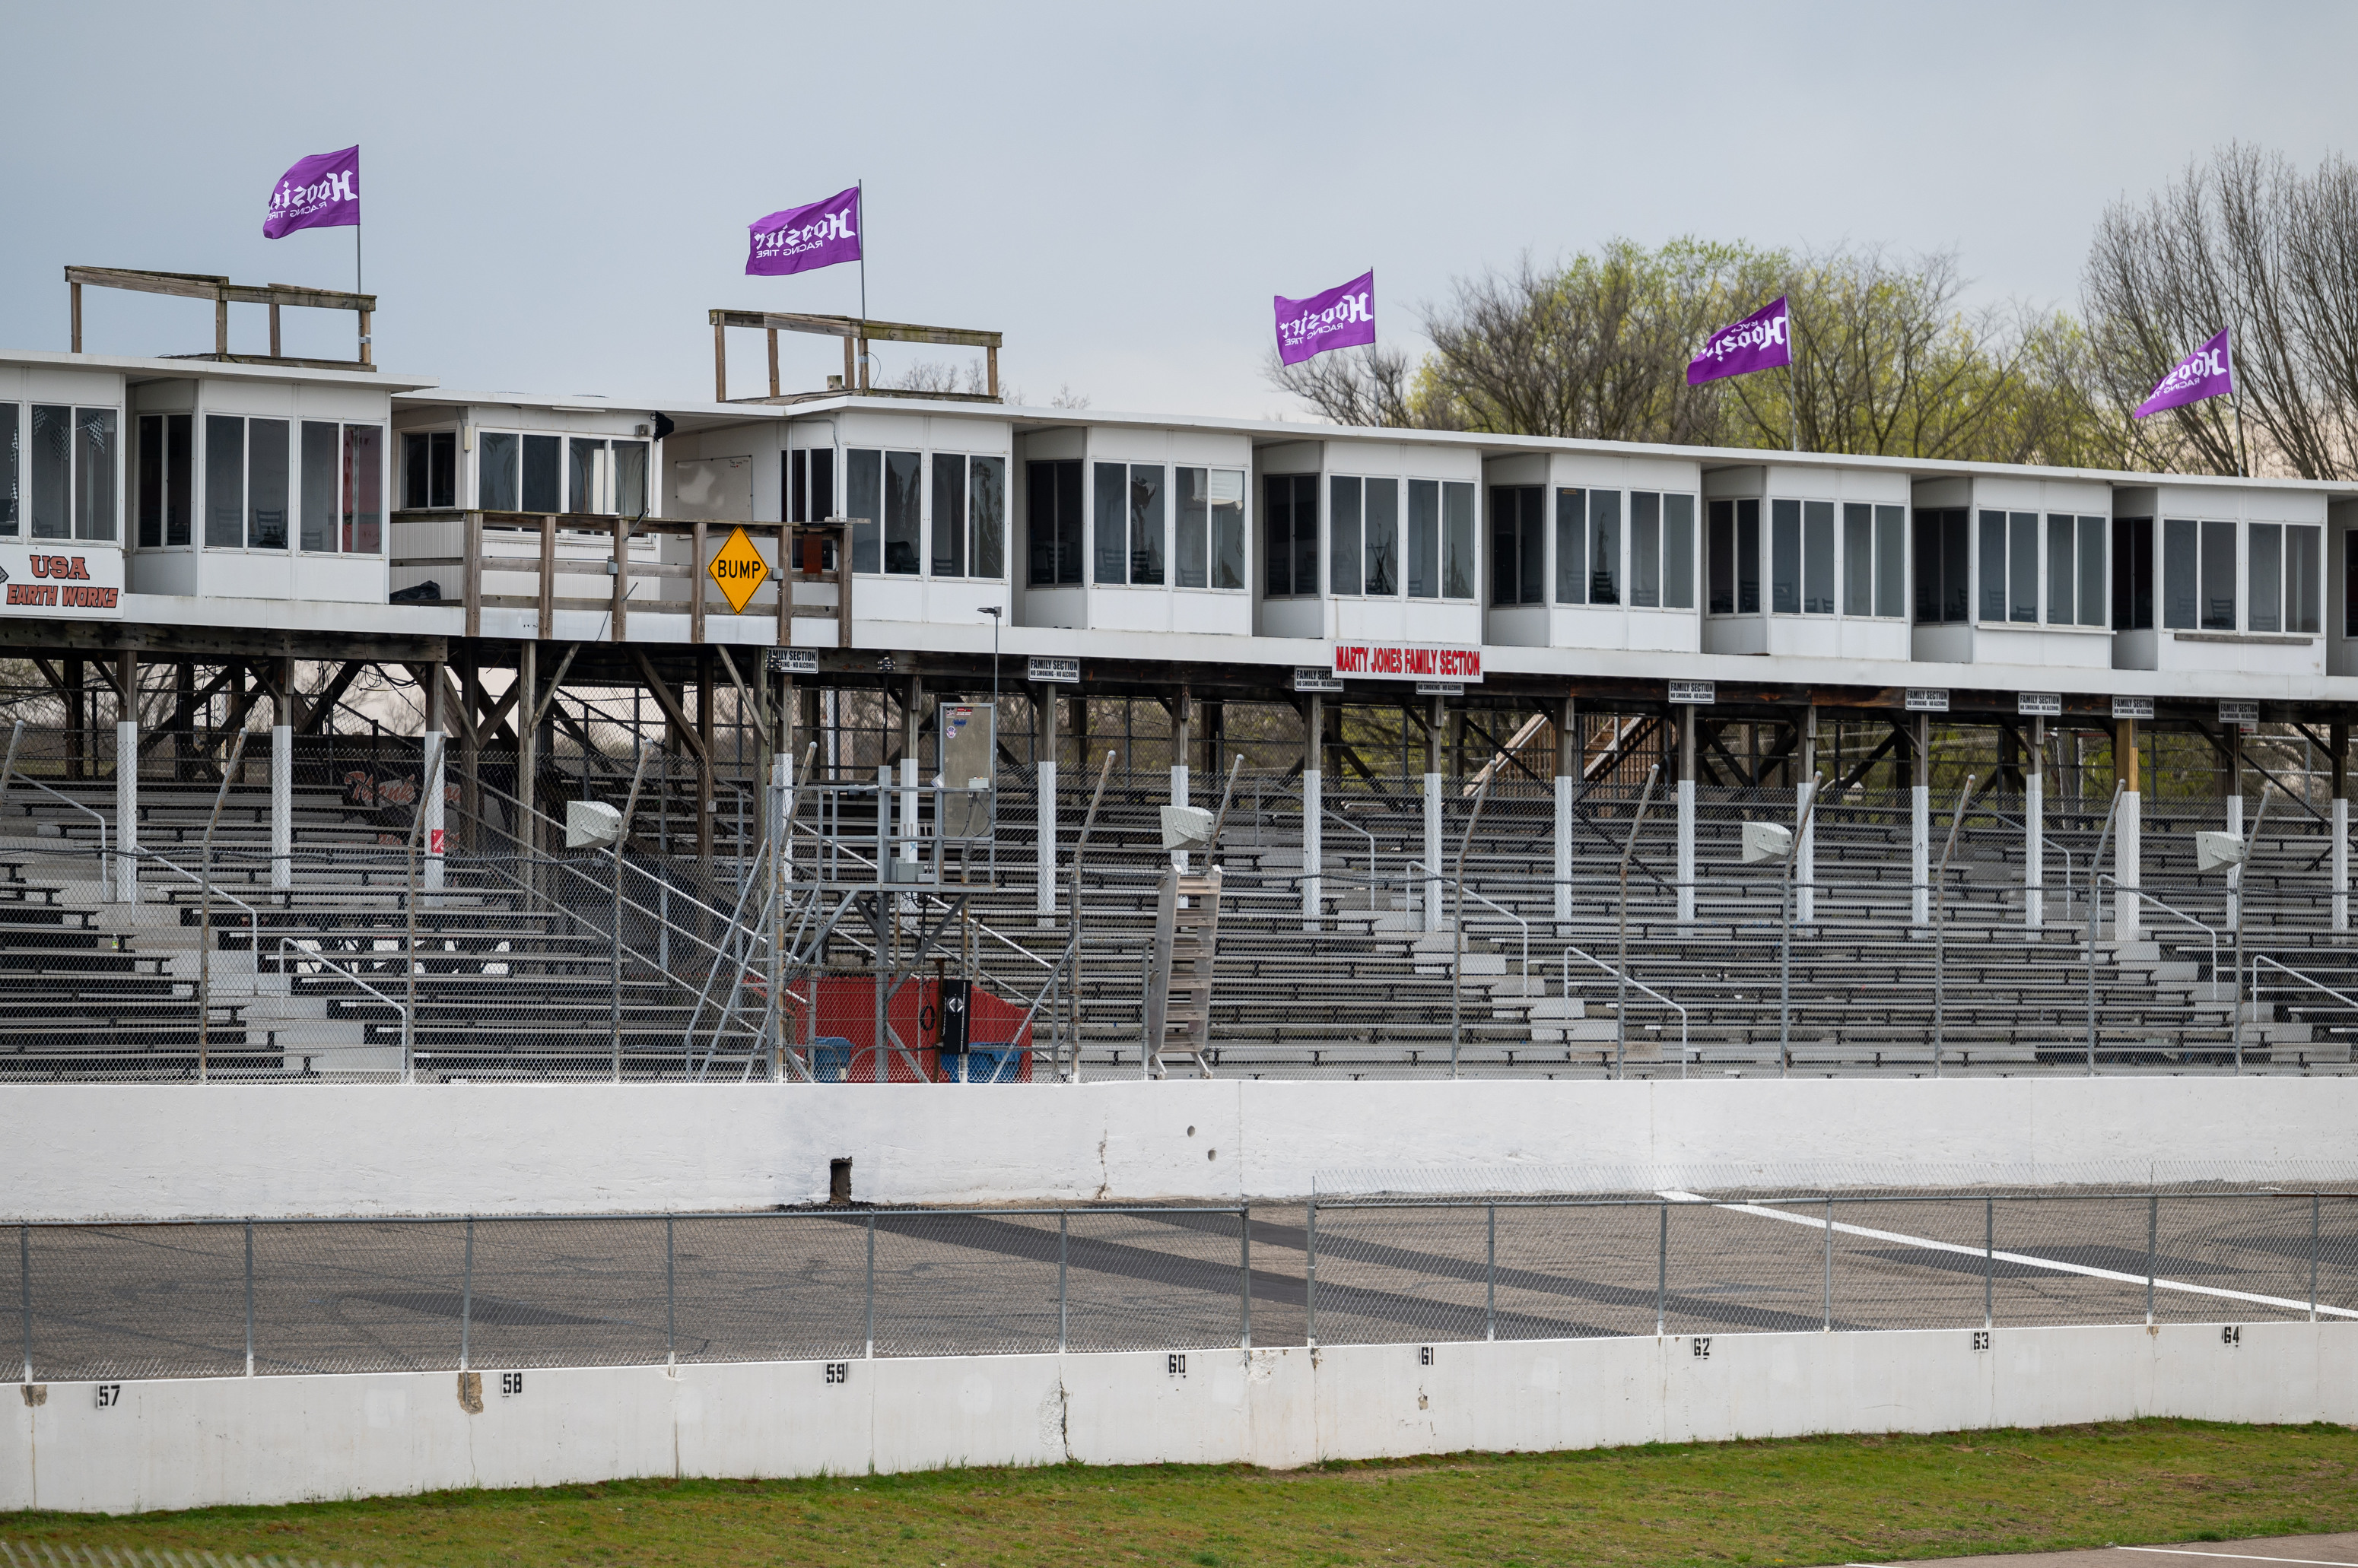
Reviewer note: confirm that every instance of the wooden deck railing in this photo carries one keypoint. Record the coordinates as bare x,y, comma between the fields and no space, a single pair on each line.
549,545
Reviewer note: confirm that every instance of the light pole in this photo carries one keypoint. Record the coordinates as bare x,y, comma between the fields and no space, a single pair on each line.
2213,851
1767,841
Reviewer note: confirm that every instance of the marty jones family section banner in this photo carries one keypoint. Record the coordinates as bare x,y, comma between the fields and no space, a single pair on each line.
1408,661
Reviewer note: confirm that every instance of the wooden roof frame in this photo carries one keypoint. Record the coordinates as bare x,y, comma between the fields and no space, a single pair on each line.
224,293
856,333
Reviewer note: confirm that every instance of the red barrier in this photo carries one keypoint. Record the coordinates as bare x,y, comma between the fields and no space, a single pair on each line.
846,1017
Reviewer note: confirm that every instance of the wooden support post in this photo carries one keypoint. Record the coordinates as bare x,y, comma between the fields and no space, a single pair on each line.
865,362
527,741
788,573
368,342
719,362
696,541
73,295
548,578
221,325
705,704
77,696
473,568
848,371
843,585
774,361
990,363
274,329
621,579
470,782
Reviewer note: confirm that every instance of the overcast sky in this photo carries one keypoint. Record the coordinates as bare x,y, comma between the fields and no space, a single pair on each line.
557,194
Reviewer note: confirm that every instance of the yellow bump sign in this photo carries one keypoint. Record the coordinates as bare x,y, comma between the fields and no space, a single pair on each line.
739,568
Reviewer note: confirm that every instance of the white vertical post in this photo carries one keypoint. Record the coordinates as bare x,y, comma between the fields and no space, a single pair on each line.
282,782
1805,853
912,723
1182,743
2127,843
2034,831
1568,750
429,801
1313,806
1919,824
2337,770
2234,819
1687,727
1045,695
1432,819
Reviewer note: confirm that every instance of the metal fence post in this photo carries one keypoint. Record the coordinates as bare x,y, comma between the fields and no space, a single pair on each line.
24,1291
871,1284
2313,1257
1063,1319
467,1295
1244,1276
1310,1285
1490,1288
1830,1263
2152,1235
249,1298
671,1301
1662,1271
1989,1262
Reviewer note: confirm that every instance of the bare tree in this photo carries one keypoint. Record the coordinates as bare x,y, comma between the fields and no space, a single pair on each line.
1368,386
2251,245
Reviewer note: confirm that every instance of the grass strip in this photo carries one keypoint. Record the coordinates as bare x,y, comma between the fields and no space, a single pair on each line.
1801,1500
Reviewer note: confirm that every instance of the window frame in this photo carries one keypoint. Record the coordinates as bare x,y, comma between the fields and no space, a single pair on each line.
76,473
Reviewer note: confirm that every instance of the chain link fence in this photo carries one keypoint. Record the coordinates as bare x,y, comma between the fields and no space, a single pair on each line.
267,1297
1478,929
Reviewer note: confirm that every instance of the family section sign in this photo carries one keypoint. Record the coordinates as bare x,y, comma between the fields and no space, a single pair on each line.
1407,661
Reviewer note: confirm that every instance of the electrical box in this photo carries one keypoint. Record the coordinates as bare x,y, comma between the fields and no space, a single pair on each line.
970,762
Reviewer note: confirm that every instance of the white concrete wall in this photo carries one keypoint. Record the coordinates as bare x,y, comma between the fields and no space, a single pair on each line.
90,1151
199,1443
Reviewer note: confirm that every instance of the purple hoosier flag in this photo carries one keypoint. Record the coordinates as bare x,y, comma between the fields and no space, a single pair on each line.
2208,371
801,238
323,191
1342,317
1762,340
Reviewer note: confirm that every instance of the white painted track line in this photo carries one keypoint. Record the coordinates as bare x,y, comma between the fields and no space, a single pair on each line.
2023,1258
2237,1556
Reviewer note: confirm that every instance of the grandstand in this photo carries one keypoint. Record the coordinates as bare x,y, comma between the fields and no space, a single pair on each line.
1484,720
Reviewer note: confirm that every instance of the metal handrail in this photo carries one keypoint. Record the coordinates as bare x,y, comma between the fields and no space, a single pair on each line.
8,770
315,955
1570,952
2144,897
1476,897
2308,980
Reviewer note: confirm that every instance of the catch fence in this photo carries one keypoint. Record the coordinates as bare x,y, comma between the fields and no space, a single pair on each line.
97,1302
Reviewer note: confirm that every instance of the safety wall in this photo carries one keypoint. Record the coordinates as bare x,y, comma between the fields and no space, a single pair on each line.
172,1444
89,1152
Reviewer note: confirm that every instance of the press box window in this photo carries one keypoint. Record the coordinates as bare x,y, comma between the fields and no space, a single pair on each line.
606,478
71,471
2132,573
167,482
1131,522
1802,557
886,485
2198,575
519,473
1943,566
1290,535
1052,522
2075,570
1377,539
2286,574
429,470
1661,551
969,520
246,475
810,485
1518,544
1458,540
1875,560
342,493
1732,556
1210,507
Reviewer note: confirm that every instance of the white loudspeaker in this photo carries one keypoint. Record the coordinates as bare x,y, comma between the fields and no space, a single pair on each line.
592,825
1767,841
2213,851
1185,827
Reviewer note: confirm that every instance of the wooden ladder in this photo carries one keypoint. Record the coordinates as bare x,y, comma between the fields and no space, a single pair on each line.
1178,993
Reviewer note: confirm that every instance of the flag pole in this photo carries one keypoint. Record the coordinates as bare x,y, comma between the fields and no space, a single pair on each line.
2243,452
859,203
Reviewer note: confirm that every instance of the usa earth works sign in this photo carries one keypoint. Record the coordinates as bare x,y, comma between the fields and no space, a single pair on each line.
64,584
1408,661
